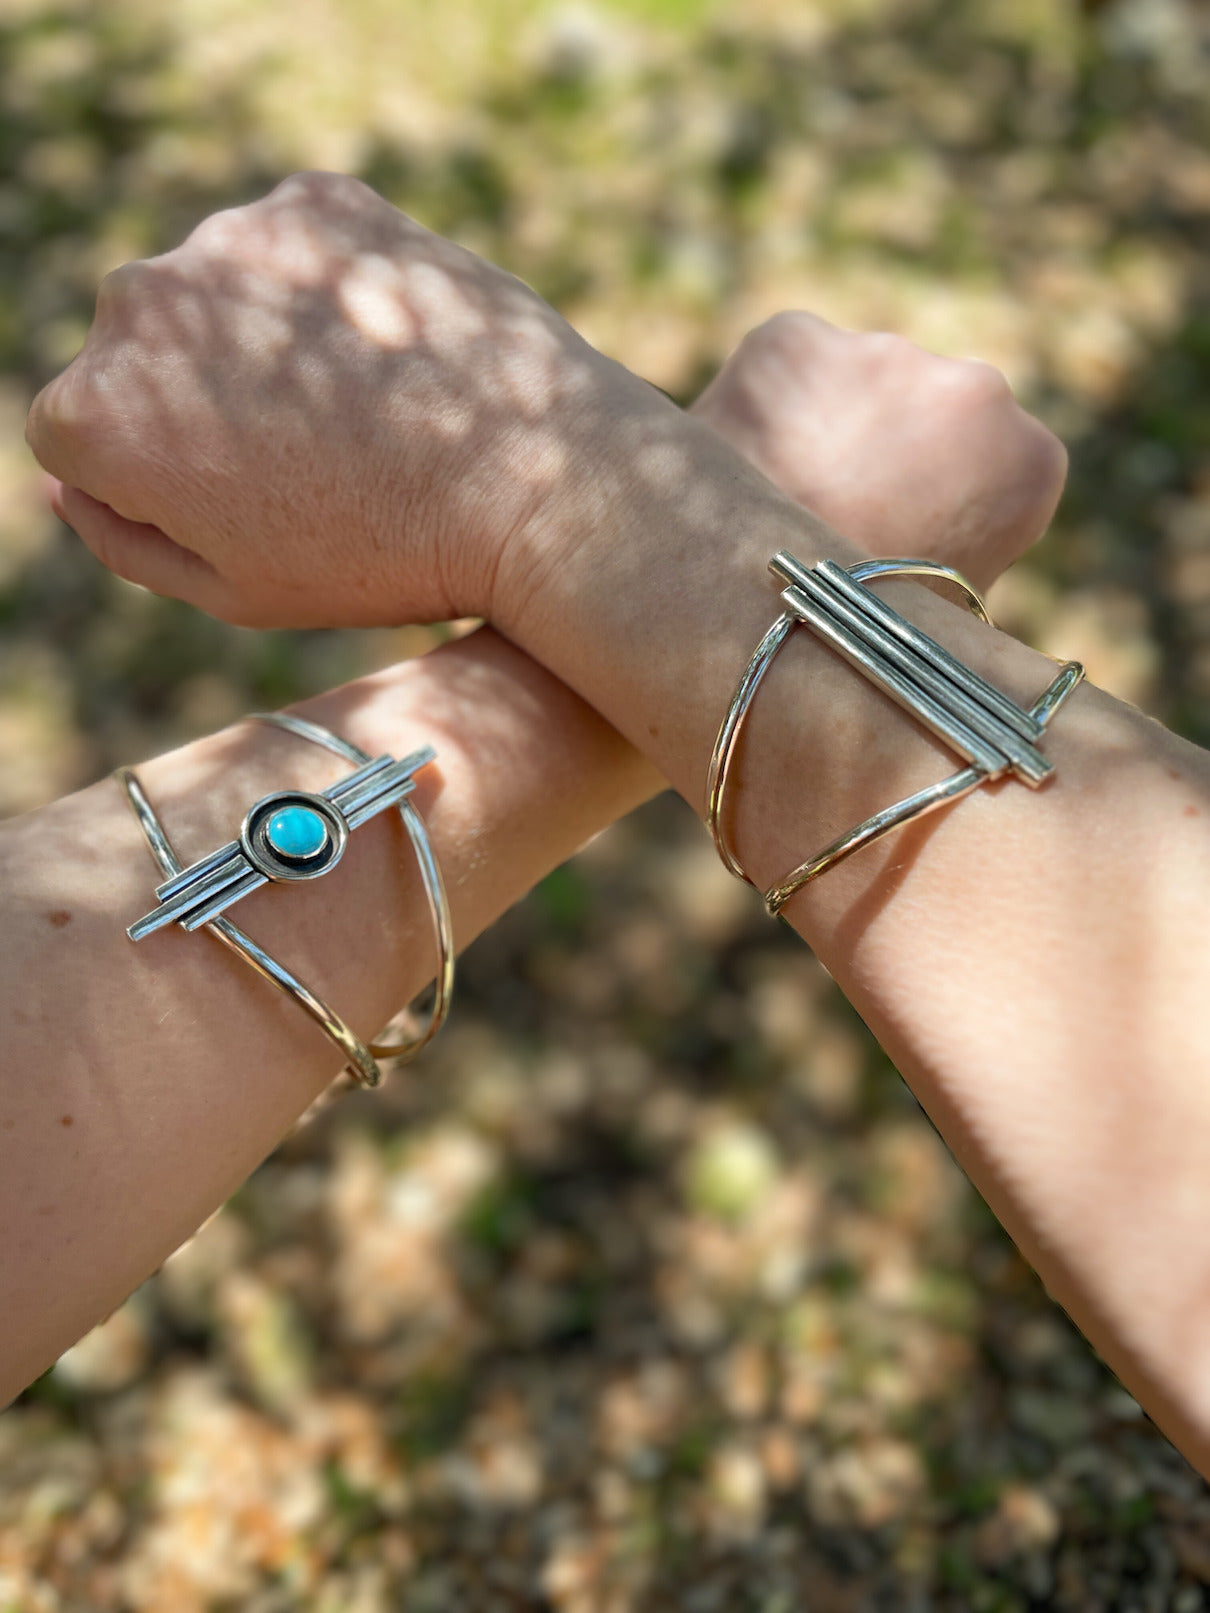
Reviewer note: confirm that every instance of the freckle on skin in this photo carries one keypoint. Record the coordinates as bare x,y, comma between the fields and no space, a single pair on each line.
67,1120
1193,812
59,916
8,1125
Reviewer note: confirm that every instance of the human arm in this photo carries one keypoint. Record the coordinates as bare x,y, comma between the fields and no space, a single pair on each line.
141,1084
1033,962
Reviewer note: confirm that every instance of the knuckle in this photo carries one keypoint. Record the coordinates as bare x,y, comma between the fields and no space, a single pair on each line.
39,426
123,288
317,185
890,359
889,346
217,229
790,330
786,324
55,422
78,433
1048,458
982,382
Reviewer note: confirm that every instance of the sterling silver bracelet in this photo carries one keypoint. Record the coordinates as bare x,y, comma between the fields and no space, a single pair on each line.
992,733
297,835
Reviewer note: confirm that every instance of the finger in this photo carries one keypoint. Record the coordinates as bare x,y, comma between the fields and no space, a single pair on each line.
52,426
139,552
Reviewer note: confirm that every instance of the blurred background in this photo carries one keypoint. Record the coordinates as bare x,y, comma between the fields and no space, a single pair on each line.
651,1288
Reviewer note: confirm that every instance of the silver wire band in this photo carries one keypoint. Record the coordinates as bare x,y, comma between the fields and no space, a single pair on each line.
972,716
913,806
376,785
723,754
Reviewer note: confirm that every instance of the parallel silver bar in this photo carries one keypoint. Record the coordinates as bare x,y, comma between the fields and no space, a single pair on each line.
386,780
252,880
217,858
792,570
380,803
361,1060
417,759
1026,760
147,925
859,653
1022,723
353,781
185,901
204,865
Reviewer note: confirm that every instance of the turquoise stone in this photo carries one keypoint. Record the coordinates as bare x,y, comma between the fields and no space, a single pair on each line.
297,831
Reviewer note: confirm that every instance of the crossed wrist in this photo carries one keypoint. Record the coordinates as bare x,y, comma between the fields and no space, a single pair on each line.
576,475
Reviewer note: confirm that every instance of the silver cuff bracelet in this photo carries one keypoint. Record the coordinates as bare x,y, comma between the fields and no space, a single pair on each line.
992,733
296,835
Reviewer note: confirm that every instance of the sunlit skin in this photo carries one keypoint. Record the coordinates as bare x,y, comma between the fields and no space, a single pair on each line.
336,415
178,1069
319,412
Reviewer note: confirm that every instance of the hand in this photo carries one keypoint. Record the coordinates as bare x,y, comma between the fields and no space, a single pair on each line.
902,451
316,412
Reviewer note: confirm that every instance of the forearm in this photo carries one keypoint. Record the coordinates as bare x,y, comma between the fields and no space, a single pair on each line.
142,1084
1033,961
529,772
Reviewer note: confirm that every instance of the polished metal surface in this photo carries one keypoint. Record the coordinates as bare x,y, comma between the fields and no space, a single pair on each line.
410,1041
197,896
864,652
850,585
360,1060
962,677
913,806
974,718
218,880
196,891
724,746
926,571
954,697
259,852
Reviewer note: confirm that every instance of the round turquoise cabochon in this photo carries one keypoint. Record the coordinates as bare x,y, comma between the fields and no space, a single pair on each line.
296,831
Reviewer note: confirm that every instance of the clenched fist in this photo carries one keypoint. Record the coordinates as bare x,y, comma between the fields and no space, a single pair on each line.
316,412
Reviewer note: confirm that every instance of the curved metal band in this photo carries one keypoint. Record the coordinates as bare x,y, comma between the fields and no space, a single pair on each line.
362,1058
408,1045
723,754
724,746
913,806
361,1062
928,571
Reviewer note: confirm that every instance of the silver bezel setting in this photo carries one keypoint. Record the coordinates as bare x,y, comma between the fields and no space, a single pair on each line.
253,836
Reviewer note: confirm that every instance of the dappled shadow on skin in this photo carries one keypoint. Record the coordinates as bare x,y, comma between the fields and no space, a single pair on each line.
674,1284
460,360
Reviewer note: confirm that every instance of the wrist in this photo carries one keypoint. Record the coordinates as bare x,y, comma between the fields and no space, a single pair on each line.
648,573
583,468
